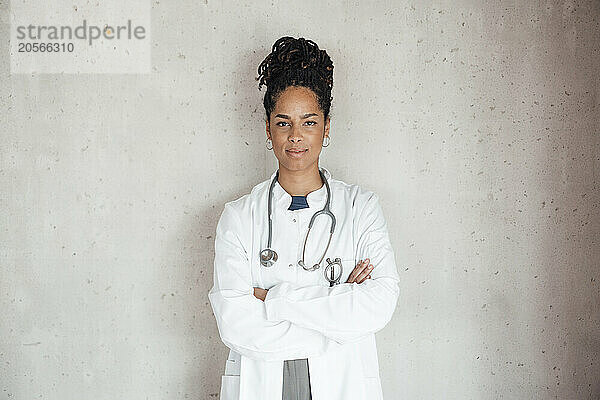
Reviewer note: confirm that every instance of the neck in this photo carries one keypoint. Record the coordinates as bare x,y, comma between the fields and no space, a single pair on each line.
301,182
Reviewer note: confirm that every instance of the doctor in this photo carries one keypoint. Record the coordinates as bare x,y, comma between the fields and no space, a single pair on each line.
298,326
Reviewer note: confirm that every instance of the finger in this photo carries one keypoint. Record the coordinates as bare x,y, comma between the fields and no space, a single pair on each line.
357,270
362,271
354,272
362,276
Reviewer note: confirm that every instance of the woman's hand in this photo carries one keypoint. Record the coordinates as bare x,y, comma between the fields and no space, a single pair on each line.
361,272
260,293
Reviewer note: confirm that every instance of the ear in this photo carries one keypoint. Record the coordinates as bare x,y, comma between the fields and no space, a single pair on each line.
326,130
267,129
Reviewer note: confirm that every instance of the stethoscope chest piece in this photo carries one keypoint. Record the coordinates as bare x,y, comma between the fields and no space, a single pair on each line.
268,257
333,271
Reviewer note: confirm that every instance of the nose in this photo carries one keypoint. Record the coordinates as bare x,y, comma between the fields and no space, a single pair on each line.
295,135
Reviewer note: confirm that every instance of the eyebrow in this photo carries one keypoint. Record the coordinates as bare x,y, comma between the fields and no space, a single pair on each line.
284,116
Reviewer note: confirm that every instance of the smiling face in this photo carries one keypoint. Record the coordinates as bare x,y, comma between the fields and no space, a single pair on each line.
297,128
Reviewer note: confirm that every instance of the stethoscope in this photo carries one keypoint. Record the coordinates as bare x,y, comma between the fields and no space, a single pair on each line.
268,256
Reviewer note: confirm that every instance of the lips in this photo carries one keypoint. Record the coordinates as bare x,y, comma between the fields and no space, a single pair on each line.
296,153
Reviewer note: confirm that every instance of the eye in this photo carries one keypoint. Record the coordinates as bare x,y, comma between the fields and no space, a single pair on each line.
280,122
313,123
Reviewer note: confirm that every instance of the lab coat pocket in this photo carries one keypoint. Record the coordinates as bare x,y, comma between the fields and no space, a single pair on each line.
230,387
232,367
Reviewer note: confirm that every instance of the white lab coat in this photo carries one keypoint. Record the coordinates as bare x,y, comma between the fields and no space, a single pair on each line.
302,317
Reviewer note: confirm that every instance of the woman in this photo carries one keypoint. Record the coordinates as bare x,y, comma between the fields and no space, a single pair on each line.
300,330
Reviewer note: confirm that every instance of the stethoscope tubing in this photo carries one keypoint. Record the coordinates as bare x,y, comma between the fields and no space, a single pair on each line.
272,254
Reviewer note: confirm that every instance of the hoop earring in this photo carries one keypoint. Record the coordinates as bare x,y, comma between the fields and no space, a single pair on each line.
269,143
328,140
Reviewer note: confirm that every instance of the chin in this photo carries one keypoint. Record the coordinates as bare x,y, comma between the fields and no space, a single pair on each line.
296,166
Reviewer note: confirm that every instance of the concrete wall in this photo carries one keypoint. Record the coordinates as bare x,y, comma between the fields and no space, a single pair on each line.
477,124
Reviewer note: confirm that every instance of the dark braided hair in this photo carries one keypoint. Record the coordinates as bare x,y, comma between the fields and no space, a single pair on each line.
296,62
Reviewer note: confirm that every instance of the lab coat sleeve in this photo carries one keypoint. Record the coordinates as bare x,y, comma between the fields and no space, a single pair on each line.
347,311
240,316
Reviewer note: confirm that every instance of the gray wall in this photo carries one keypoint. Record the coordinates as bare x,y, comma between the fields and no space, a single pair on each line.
477,124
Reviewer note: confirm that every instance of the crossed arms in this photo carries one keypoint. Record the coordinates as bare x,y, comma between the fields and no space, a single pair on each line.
300,322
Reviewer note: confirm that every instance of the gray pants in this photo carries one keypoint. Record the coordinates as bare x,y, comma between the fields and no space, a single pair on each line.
296,380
